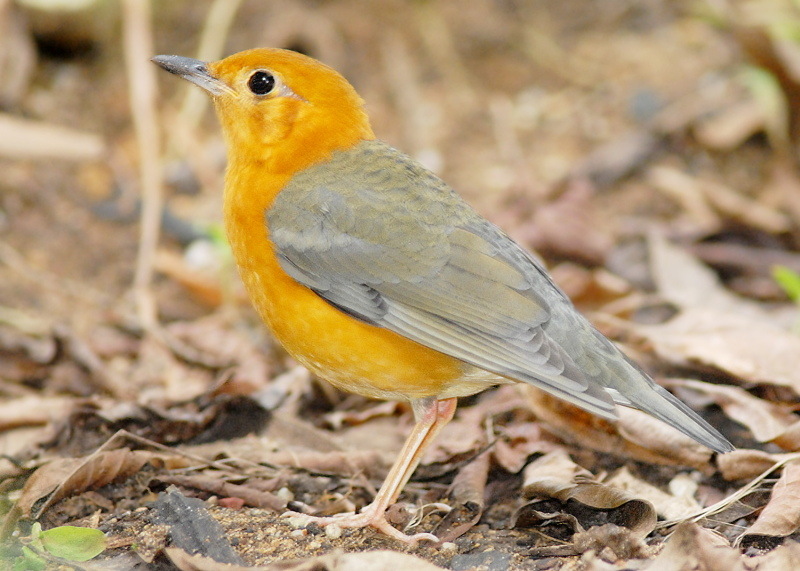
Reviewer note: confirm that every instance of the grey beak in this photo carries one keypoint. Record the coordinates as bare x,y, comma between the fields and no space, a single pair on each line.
192,70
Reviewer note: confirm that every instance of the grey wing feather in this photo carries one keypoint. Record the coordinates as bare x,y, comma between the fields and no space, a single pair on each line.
464,288
365,231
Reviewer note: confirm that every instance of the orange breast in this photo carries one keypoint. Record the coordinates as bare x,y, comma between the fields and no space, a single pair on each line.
352,355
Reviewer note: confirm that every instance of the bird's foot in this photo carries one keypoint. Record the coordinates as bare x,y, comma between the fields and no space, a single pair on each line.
370,516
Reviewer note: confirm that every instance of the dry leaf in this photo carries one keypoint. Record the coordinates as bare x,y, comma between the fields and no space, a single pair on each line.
612,542
754,351
467,495
693,547
768,422
186,562
202,284
682,188
370,463
554,475
33,411
519,442
67,476
730,127
744,464
337,561
566,226
20,442
218,486
667,505
746,210
687,283
716,328
781,516
617,158
636,435
785,556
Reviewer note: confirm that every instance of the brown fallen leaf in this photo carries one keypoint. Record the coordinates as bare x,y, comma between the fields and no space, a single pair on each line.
554,475
687,283
682,188
715,327
666,504
617,158
743,464
748,349
203,285
590,288
785,556
730,126
743,491
218,486
612,542
636,435
185,562
380,560
599,546
371,463
467,498
519,442
781,516
743,209
63,477
767,421
565,227
693,547
708,202
339,418
33,411
19,444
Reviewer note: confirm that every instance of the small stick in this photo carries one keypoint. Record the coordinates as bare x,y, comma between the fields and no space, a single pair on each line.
138,44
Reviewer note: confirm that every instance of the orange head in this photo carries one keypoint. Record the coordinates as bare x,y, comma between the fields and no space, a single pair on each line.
278,107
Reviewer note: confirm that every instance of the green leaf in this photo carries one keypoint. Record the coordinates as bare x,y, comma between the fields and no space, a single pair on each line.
789,280
29,561
73,543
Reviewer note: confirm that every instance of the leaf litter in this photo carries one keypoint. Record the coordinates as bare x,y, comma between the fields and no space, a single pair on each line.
660,200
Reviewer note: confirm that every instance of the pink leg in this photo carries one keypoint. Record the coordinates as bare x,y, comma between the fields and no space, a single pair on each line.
431,415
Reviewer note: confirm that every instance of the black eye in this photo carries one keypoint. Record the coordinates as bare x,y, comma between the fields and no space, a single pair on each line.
261,82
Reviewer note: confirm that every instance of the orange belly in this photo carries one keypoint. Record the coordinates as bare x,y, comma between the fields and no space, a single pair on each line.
352,355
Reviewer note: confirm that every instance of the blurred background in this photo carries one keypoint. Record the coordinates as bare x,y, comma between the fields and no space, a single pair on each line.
577,126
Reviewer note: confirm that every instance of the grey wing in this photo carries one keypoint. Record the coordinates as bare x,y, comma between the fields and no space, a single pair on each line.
461,288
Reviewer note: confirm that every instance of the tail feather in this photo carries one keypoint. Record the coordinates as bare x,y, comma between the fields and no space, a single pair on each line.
630,386
663,405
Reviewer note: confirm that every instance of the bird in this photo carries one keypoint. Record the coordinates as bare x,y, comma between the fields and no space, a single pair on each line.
380,279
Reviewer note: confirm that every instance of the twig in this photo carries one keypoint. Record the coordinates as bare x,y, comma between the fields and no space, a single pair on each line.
212,41
735,497
138,43
183,126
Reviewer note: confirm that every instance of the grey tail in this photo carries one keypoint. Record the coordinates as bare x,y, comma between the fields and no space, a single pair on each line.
634,388
663,405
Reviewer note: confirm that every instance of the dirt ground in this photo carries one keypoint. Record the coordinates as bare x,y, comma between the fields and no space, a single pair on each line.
647,150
